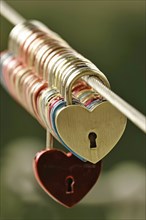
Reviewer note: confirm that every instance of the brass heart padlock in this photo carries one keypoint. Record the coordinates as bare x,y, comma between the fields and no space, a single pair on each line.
89,133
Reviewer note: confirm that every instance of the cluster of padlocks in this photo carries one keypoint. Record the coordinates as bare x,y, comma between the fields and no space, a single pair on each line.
44,74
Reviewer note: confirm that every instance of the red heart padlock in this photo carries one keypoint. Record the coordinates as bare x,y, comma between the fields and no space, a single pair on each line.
64,177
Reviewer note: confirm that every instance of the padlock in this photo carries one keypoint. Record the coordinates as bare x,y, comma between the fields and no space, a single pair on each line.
63,176
101,124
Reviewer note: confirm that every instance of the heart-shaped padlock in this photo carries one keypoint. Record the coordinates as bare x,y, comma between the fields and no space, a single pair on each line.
64,177
81,128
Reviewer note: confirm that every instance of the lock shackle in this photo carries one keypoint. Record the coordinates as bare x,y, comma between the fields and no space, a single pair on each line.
76,75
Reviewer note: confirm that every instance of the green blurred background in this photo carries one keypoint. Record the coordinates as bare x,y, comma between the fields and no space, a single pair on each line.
112,35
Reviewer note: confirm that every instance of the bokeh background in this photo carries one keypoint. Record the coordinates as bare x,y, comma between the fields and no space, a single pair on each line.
112,35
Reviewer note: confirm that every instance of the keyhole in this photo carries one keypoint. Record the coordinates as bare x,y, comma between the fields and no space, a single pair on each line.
92,137
69,185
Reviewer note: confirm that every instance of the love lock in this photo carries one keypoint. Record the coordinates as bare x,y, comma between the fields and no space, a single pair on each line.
90,133
63,176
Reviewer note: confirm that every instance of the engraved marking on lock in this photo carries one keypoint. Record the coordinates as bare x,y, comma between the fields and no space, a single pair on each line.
92,137
69,182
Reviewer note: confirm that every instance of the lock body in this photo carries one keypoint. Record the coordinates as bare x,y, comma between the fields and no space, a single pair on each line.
64,177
